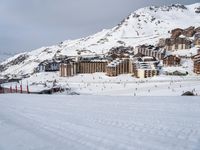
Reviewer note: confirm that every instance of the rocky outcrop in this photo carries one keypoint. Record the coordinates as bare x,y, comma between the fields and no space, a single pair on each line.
197,10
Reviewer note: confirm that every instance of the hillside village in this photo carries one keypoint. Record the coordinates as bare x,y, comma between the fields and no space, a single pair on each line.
142,61
149,46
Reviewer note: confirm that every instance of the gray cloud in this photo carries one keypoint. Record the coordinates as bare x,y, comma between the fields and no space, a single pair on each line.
29,24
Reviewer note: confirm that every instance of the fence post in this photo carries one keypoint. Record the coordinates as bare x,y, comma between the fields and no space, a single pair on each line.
16,88
11,89
20,88
27,88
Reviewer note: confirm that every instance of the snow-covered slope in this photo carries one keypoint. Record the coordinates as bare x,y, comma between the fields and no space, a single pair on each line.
145,25
36,122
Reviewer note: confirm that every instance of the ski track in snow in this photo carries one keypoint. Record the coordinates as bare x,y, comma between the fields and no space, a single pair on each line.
32,122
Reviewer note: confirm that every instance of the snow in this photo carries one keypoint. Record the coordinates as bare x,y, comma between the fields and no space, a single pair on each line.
144,26
35,122
186,52
122,85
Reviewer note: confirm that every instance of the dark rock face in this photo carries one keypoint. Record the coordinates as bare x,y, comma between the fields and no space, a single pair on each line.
197,10
179,6
188,93
168,8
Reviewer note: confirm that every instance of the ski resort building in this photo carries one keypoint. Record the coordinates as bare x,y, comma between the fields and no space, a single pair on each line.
146,67
196,61
152,51
188,32
181,39
146,71
172,44
48,66
176,32
92,66
68,69
171,60
120,52
197,39
82,66
118,66
139,66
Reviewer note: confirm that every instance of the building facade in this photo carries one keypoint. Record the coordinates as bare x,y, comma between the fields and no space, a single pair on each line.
141,67
118,66
68,69
48,66
171,60
146,73
196,62
84,66
92,66
197,39
145,67
152,51
171,44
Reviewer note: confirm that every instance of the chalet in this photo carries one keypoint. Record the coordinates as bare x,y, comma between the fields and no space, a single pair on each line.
60,57
152,51
181,39
118,66
48,66
120,52
171,60
188,32
176,32
41,67
172,44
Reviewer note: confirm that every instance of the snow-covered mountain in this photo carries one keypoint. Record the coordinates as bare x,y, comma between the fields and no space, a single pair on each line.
145,25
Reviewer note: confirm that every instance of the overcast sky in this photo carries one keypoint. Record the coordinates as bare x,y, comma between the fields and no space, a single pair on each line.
30,24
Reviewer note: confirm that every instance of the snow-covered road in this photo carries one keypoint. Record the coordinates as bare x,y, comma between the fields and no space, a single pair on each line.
38,122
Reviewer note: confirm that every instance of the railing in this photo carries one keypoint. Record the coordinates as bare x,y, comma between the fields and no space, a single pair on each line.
4,90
